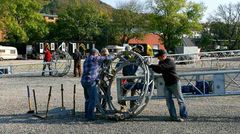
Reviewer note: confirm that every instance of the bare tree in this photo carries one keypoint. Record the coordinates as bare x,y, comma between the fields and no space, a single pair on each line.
228,19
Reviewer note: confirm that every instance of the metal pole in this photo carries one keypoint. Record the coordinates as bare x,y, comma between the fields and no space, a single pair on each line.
49,96
29,101
62,95
74,103
35,102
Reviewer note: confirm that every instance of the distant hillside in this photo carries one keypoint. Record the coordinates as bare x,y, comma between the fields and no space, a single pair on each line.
56,6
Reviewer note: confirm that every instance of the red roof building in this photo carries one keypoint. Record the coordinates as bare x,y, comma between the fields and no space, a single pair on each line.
154,40
50,18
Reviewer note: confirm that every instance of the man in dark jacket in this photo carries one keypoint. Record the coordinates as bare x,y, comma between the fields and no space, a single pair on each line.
77,63
167,68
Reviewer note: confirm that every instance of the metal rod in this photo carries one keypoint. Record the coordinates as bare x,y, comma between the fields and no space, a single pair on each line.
74,103
49,96
35,102
62,95
29,101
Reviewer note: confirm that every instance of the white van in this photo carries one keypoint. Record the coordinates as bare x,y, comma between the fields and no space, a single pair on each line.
7,52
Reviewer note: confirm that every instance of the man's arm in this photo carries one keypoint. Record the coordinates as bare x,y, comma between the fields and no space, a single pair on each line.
163,67
156,68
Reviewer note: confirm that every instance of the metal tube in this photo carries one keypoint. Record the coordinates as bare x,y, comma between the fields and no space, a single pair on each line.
29,103
74,103
49,96
35,102
62,95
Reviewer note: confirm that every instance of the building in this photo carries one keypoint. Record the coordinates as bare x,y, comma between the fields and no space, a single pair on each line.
50,18
148,45
152,39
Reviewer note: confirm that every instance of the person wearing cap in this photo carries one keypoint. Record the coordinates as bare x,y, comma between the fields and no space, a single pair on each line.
167,68
89,81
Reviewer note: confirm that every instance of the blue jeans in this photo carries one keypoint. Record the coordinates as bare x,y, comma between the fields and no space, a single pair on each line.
91,99
175,90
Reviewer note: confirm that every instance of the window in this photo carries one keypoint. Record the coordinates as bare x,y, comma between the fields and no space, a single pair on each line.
51,18
52,46
41,45
2,51
12,51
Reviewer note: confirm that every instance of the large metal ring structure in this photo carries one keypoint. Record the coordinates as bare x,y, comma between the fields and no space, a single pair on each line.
61,63
111,87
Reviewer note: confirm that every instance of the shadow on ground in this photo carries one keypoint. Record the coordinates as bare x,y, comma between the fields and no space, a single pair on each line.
216,119
69,118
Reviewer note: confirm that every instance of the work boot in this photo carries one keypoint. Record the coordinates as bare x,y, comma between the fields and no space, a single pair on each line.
177,119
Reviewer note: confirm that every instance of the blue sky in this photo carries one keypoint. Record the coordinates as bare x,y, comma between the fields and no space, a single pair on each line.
210,4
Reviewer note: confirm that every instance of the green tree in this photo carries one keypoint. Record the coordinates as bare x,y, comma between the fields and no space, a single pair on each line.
105,37
3,14
80,23
128,21
206,39
22,21
174,18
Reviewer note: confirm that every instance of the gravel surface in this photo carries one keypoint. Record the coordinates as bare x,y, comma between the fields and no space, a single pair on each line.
207,115
216,115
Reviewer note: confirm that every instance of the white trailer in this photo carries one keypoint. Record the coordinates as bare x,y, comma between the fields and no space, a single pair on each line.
7,52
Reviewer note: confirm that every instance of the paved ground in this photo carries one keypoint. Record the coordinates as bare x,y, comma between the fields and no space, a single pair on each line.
216,115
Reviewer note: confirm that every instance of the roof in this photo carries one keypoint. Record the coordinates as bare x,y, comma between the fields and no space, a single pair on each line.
50,15
187,42
150,39
7,47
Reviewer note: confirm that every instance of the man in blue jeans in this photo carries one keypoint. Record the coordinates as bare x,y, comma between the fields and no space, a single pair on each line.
167,68
89,81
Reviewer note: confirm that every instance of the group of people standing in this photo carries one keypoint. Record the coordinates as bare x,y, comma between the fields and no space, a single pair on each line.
90,78
166,67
